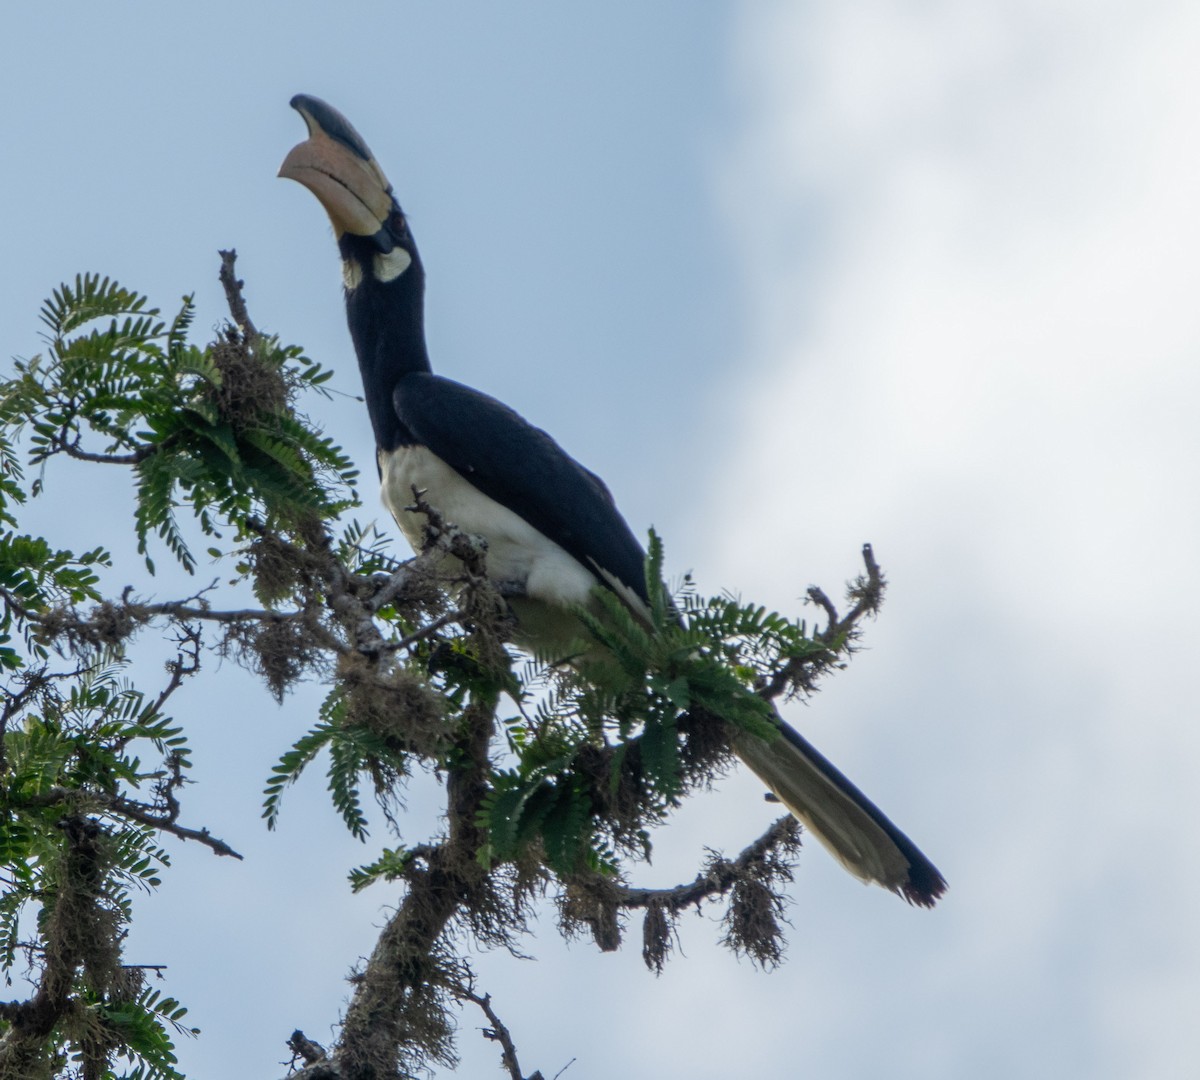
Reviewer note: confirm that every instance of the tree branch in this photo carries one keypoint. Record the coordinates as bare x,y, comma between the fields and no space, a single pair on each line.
73,450
800,673
717,879
233,285
118,805
74,937
498,1032
145,815
867,593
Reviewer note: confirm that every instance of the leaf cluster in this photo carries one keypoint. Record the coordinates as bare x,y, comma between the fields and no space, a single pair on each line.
77,796
212,428
35,577
642,718
90,765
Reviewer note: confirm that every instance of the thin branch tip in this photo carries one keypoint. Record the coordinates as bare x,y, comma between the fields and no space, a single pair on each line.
233,286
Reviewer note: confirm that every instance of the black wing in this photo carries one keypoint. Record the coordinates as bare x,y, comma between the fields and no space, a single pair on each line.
521,467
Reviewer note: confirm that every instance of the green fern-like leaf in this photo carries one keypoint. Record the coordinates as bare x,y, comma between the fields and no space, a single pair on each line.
92,297
660,754
390,865
565,829
142,1026
287,771
346,760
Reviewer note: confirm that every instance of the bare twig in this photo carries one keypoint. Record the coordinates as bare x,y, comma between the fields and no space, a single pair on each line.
498,1032
165,822
186,662
816,595
866,592
233,295
798,675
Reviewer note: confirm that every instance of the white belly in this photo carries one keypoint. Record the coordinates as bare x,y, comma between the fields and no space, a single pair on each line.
517,553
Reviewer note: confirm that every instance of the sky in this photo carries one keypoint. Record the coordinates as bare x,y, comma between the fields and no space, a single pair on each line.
791,277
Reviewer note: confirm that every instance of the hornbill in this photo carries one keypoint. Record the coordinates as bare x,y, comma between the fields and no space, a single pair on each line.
553,532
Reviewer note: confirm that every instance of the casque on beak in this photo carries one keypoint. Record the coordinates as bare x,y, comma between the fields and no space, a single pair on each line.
337,167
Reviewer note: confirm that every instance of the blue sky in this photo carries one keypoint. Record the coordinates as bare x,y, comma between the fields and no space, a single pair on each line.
790,277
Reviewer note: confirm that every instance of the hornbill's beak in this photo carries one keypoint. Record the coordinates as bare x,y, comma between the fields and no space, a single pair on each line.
339,169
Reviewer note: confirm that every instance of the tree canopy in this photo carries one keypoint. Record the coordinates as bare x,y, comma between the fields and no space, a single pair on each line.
553,777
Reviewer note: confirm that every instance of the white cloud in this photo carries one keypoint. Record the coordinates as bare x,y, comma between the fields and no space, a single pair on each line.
969,237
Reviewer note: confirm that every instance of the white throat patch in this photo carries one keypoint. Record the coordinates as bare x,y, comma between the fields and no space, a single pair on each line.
390,266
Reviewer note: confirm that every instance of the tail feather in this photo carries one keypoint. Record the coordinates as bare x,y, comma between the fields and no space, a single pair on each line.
841,817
